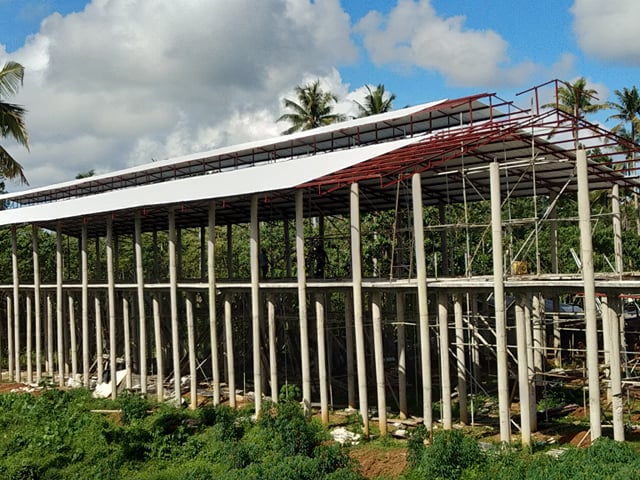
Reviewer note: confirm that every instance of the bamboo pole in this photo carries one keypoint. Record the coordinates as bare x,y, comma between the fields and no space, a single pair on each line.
356,273
421,274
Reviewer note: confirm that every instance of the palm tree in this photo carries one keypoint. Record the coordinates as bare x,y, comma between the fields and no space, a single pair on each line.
12,120
577,100
375,102
313,108
628,107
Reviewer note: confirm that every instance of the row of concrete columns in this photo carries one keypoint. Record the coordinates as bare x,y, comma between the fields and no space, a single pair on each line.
526,338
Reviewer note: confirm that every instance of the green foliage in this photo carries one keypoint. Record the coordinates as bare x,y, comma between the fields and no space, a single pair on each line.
57,436
290,392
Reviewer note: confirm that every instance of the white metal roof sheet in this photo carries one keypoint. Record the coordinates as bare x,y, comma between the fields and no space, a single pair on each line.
258,179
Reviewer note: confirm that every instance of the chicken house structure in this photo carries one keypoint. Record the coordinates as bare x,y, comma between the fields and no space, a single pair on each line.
404,338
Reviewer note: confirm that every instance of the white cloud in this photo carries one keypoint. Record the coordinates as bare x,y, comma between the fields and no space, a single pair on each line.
157,78
608,29
414,35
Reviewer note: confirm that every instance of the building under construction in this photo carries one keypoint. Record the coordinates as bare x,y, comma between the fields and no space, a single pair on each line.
418,322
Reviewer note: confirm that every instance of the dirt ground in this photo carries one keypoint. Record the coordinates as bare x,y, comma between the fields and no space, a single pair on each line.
385,463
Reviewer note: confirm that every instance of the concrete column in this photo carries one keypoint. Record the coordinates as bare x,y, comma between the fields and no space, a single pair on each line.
16,302
73,338
349,340
228,330
142,320
402,355
213,321
445,376
126,326
553,247
229,251
173,300
157,330
111,302
50,366
376,316
99,352
322,359
36,300
273,351
617,406
302,305
255,301
191,340
588,277
84,306
530,363
59,319
356,272
523,373
461,364
421,274
498,292
10,342
29,334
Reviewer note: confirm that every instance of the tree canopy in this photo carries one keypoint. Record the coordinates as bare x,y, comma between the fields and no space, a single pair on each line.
376,101
12,120
314,108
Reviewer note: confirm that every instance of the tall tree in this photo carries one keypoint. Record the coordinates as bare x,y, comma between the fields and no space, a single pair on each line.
577,99
12,120
314,108
628,110
376,101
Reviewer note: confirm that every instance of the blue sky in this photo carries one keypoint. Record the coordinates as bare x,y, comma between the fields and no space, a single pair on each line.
115,83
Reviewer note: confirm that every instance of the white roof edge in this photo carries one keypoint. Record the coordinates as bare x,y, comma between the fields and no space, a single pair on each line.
263,178
233,148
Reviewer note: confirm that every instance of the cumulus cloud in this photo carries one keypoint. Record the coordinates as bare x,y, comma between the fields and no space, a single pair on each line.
608,30
414,35
122,83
